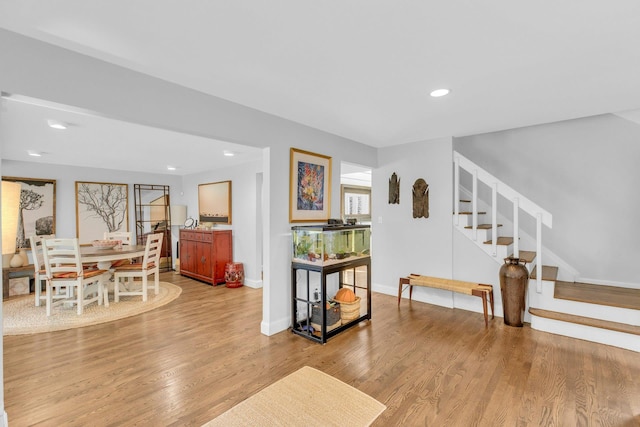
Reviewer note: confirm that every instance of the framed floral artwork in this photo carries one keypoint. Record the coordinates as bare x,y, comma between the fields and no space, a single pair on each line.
310,186
100,207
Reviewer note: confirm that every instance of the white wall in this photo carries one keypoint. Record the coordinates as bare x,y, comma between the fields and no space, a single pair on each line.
43,71
585,173
66,177
402,244
243,212
277,251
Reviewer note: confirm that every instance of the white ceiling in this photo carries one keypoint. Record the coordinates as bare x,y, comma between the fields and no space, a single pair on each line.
363,69
23,127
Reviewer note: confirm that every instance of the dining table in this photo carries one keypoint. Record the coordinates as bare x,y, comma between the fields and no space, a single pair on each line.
104,257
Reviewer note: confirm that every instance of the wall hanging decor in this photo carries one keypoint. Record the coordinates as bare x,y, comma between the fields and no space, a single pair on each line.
100,207
214,202
394,189
309,186
37,215
420,199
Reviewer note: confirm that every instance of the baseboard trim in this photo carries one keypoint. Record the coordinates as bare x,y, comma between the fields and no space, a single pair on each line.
255,284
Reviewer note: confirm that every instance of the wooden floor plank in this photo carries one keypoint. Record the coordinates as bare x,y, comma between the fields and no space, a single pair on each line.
187,362
598,294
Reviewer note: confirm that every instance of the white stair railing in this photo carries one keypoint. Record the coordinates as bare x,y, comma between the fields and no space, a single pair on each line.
519,202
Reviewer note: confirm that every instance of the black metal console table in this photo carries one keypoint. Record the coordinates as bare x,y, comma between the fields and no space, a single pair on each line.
302,325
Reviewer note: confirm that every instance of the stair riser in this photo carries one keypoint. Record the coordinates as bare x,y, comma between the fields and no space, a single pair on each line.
546,301
482,235
467,220
587,333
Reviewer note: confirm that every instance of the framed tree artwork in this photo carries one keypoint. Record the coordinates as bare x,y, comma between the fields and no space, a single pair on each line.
310,186
214,202
37,208
100,207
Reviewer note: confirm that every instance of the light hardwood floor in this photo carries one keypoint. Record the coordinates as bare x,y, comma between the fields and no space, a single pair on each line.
189,361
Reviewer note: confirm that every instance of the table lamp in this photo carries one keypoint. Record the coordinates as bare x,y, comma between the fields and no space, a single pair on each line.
178,215
10,212
178,218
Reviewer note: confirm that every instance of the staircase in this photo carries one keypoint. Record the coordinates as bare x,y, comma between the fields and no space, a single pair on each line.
593,312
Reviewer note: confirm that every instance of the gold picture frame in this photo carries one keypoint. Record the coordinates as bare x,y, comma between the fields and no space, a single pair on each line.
309,186
214,202
37,208
100,207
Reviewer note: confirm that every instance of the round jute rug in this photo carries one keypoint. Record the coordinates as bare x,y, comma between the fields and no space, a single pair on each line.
20,315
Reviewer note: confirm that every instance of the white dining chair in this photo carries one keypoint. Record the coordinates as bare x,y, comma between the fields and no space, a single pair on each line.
63,268
126,237
40,273
125,276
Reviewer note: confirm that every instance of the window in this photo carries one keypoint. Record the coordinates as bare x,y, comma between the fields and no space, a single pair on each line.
356,202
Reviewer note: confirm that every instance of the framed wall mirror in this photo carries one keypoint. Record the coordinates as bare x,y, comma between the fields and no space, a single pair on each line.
153,215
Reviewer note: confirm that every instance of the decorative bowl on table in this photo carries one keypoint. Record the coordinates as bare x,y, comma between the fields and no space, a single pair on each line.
105,244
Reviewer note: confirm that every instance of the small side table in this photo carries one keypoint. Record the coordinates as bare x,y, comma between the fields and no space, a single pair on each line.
14,272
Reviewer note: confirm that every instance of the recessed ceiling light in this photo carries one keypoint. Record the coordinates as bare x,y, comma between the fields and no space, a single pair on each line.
439,92
56,124
229,153
171,168
34,153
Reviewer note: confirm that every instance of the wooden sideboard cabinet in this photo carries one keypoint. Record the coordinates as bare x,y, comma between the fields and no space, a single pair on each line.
204,254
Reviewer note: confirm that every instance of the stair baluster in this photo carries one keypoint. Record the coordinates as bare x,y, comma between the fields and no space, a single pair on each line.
516,227
456,190
474,205
494,219
539,252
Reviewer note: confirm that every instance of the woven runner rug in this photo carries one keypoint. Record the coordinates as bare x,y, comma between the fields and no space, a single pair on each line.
20,315
307,397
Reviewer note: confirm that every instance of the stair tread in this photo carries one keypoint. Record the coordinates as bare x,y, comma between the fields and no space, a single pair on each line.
527,256
503,241
598,294
549,272
587,321
483,226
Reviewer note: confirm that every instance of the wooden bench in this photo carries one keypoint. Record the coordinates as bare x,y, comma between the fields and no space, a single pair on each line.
468,288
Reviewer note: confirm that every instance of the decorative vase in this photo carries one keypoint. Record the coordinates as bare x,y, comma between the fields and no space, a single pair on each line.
513,286
16,261
24,256
234,274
